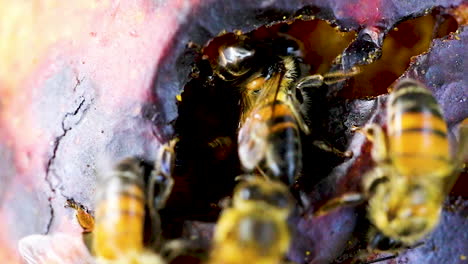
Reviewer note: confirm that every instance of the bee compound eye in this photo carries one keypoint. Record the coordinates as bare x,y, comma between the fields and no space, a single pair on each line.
255,85
384,243
262,232
376,183
251,192
299,96
279,199
256,92
129,164
293,48
233,57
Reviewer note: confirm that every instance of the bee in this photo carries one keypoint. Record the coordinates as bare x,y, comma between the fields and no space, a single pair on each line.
118,229
272,104
414,169
254,229
83,216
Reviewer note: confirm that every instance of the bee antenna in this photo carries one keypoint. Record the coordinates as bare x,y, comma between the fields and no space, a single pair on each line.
281,76
416,245
381,259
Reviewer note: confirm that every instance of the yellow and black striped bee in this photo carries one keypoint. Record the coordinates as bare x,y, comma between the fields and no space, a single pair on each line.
120,214
272,103
414,168
254,229
118,230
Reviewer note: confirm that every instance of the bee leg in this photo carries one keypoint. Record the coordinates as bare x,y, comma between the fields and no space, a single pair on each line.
183,248
396,249
160,186
375,134
379,154
252,176
318,80
225,202
360,256
462,152
374,177
302,199
263,174
339,76
460,159
345,200
324,146
195,46
381,259
310,81
221,147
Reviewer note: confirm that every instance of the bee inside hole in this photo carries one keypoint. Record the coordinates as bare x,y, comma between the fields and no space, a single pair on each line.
210,110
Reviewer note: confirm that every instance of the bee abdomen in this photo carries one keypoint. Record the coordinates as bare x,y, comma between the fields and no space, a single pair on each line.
120,213
285,158
417,131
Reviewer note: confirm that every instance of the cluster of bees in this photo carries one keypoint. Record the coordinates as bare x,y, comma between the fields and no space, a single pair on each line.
413,171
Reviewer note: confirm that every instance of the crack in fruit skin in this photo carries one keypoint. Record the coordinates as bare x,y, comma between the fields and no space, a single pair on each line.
80,110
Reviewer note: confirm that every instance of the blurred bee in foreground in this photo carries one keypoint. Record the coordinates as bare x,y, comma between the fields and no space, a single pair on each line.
414,169
272,104
117,236
254,229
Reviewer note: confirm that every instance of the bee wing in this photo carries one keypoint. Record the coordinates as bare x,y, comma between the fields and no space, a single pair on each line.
345,200
299,117
252,143
460,160
54,249
273,87
253,134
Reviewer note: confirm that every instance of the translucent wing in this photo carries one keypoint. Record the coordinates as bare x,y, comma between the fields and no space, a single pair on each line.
272,87
57,248
253,133
275,90
252,143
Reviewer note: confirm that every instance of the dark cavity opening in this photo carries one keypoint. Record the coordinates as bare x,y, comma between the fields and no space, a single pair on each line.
207,159
209,110
408,39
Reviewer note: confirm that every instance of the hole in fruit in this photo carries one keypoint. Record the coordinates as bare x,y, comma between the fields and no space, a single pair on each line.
407,39
209,111
320,42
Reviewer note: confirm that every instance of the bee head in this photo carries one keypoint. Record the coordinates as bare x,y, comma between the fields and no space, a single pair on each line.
258,232
237,61
271,194
381,242
405,211
234,61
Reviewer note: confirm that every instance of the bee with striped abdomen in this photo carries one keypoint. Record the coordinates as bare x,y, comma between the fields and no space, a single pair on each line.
118,232
254,229
120,213
116,237
272,104
271,123
414,168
